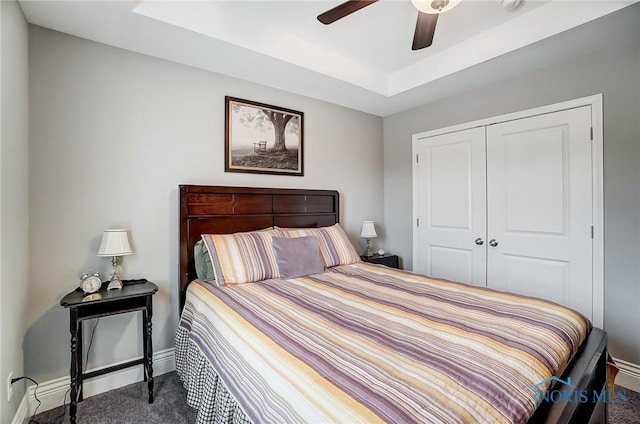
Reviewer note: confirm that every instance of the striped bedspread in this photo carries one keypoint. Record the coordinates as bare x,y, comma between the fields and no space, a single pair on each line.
364,343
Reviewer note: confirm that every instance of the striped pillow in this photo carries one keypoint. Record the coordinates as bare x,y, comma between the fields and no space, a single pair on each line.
335,247
243,257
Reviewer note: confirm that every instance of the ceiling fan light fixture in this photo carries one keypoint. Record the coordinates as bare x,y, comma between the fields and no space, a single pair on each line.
510,5
435,7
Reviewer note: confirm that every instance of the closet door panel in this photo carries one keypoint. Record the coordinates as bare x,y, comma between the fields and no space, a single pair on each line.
539,203
452,207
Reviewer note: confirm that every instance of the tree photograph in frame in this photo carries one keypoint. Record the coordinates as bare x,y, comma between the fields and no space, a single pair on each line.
262,138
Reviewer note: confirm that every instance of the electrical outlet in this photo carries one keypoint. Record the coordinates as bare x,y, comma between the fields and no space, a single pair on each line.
9,387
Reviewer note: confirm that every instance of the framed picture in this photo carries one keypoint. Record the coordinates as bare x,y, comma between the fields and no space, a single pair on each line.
262,138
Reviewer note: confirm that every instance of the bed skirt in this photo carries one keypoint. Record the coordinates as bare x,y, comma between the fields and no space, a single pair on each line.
205,390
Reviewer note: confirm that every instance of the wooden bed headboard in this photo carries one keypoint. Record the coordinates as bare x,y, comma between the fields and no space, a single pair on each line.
224,210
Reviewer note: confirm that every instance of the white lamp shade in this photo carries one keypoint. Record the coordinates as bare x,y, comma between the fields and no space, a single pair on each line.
114,243
368,230
427,6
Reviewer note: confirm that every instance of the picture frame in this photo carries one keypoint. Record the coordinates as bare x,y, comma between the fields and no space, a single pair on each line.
262,138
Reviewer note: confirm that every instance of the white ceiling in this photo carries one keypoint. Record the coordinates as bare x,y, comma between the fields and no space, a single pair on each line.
363,61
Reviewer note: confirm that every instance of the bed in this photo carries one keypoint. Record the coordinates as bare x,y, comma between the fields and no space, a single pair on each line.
322,347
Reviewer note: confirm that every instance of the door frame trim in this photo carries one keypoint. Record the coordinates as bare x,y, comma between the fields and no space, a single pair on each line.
595,102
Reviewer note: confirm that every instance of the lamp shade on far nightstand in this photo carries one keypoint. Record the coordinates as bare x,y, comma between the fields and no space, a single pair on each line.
368,232
115,243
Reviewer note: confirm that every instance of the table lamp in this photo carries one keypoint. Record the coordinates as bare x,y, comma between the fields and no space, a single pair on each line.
115,243
368,232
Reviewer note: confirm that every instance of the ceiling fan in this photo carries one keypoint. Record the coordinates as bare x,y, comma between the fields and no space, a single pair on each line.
428,11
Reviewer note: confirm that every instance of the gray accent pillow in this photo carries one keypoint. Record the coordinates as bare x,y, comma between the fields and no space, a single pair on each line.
297,257
204,268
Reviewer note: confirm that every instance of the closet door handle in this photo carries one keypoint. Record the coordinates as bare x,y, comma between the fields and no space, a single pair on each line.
493,242
479,241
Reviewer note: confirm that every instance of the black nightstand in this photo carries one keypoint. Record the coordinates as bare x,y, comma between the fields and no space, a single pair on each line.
131,298
386,259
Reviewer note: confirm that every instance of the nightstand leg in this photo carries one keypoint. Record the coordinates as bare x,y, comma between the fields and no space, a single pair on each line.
145,345
73,327
148,346
80,382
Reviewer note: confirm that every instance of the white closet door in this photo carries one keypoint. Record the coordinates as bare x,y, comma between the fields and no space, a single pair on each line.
451,208
539,198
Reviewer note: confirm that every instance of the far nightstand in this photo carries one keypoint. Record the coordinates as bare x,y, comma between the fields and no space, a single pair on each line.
386,259
131,298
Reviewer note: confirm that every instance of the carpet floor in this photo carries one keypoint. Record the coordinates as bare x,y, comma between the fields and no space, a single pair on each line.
129,405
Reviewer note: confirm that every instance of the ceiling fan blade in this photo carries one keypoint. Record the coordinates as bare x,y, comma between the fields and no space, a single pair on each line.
425,28
342,10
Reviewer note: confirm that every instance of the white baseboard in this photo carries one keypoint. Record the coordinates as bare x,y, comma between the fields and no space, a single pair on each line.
629,375
22,412
52,393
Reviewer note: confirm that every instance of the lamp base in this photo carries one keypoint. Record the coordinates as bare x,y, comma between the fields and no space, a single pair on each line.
114,285
368,253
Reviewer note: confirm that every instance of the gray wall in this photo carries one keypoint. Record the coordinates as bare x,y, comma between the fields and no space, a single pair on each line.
14,199
113,133
613,69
